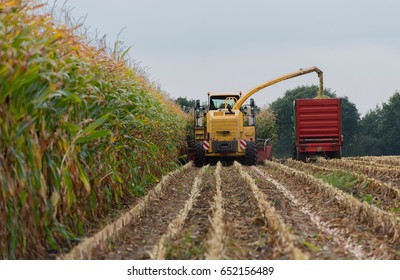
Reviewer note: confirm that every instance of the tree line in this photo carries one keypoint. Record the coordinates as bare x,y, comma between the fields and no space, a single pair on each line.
376,133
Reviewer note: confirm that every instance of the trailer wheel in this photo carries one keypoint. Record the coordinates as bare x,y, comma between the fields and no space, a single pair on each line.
251,153
337,154
199,154
301,156
298,155
294,152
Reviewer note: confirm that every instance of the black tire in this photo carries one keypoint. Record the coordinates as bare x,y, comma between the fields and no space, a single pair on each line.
301,156
199,154
337,154
294,152
251,153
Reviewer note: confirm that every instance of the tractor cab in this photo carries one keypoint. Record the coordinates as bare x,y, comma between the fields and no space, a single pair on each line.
223,101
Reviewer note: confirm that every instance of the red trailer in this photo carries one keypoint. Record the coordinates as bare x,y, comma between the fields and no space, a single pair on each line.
317,129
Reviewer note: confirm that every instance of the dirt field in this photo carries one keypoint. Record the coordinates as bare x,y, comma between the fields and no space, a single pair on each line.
336,209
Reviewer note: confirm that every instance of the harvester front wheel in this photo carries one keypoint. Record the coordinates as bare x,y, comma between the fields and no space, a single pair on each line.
199,154
251,153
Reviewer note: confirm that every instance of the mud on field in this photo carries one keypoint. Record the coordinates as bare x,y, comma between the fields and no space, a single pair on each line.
272,211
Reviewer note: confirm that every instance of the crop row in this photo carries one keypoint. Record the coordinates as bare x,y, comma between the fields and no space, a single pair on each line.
305,205
393,161
286,210
364,188
81,132
215,243
380,221
283,238
377,230
175,225
387,174
84,249
228,232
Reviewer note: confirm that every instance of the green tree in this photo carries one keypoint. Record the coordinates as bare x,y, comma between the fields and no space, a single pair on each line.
390,132
380,130
283,108
185,103
350,126
369,138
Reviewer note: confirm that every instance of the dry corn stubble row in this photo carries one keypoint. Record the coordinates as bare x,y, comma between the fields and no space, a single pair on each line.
390,175
393,161
283,239
372,163
190,241
320,237
379,221
215,246
159,249
372,228
84,248
386,197
137,239
247,233
383,168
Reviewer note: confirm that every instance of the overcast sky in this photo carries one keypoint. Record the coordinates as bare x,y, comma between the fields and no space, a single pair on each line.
192,47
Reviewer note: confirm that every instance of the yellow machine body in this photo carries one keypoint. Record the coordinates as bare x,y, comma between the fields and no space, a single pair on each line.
223,126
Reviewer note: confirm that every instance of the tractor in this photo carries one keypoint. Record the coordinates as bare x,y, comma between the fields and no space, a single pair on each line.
224,127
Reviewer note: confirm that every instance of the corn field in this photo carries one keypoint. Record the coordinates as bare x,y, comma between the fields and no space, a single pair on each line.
278,210
81,132
84,133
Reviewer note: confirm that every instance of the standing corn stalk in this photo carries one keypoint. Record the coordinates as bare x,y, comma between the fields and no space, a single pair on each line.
79,131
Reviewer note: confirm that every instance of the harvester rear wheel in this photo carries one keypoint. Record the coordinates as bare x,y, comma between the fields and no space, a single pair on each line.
199,154
251,153
301,156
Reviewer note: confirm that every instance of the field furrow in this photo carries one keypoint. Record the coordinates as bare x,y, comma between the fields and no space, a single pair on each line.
85,248
159,250
375,230
247,234
215,247
139,237
393,161
316,238
373,163
364,188
190,241
283,241
280,210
